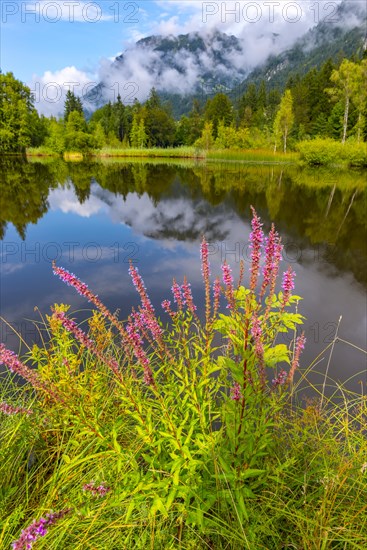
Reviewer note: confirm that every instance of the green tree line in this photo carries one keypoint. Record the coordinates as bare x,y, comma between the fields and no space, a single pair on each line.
330,102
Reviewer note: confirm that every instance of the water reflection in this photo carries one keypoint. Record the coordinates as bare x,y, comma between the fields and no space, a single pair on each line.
93,217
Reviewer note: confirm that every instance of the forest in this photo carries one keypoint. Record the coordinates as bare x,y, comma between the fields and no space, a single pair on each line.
329,103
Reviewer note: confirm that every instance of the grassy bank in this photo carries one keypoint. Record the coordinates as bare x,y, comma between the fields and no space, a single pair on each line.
254,156
317,152
250,155
165,431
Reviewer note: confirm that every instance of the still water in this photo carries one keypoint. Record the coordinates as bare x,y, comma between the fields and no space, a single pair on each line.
93,217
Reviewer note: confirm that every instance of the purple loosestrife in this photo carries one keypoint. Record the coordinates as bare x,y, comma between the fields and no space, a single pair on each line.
228,281
287,285
12,361
299,346
271,259
140,287
99,491
235,393
73,328
139,352
177,295
72,280
216,297
166,306
242,273
38,528
187,294
82,288
10,410
256,238
256,332
147,310
205,269
278,249
280,379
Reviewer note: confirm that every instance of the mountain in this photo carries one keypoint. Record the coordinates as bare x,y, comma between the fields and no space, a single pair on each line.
344,36
200,65
181,66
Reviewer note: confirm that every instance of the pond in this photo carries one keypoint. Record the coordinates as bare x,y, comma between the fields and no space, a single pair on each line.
92,218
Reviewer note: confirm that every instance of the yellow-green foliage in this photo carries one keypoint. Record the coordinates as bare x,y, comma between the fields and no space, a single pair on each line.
327,151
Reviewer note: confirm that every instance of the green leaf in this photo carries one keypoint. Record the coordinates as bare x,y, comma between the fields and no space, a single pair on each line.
277,354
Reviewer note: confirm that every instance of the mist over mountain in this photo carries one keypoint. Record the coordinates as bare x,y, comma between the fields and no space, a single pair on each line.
201,63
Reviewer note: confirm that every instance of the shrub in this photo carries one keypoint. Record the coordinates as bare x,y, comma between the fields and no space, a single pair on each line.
327,151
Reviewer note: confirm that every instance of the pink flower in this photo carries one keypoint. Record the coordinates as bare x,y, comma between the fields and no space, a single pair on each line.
140,287
216,296
177,296
73,328
38,528
256,332
228,281
287,285
256,238
205,269
299,346
204,254
187,294
272,260
10,410
99,491
280,379
235,393
12,361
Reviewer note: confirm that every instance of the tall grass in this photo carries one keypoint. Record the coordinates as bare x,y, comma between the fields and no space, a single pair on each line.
151,152
183,433
253,155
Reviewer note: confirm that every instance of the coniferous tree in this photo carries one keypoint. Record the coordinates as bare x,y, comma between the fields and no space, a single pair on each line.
72,103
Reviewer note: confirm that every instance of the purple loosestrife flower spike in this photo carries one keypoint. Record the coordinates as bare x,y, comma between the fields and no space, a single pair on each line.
299,346
228,281
242,273
82,288
278,249
139,352
10,410
187,294
270,260
280,379
166,305
216,296
99,491
73,328
205,269
256,238
140,287
287,285
38,528
256,332
12,361
235,393
148,311
177,295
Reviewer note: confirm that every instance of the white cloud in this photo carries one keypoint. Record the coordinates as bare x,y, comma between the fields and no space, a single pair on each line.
50,88
64,199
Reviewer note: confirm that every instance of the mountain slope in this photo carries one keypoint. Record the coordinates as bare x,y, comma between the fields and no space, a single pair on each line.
199,65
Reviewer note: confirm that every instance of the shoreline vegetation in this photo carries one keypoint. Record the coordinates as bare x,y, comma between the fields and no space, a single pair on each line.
167,431
318,152
318,118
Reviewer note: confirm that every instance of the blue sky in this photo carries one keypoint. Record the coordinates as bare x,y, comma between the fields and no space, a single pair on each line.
61,41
